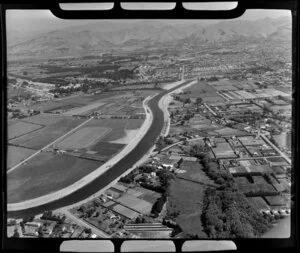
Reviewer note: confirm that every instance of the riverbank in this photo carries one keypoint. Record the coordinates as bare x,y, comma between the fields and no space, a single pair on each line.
90,177
163,105
166,100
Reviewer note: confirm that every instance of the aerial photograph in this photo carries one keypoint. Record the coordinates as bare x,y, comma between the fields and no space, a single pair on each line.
149,128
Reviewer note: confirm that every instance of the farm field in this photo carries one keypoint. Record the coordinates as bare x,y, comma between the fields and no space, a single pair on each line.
127,138
84,109
78,101
106,149
49,105
134,203
258,202
83,138
18,128
40,138
230,131
118,127
186,199
126,212
255,188
46,173
62,108
275,200
148,195
205,91
194,172
104,137
16,155
44,119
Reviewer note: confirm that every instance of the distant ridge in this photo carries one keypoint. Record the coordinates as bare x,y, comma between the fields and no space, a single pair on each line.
78,40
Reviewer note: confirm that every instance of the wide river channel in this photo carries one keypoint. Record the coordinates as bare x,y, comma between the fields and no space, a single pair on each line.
119,168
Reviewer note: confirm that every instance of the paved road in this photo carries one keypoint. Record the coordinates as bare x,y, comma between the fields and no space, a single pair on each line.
179,142
47,146
210,109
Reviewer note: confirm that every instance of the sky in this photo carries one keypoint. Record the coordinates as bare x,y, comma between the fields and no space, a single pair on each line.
27,21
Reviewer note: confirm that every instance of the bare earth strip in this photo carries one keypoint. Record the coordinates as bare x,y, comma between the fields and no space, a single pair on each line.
90,177
49,145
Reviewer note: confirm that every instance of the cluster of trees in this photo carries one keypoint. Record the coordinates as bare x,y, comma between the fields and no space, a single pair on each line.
212,79
114,75
129,178
26,219
164,181
199,100
16,233
198,150
48,215
158,205
142,219
213,170
11,222
88,211
184,100
163,175
163,142
172,224
228,214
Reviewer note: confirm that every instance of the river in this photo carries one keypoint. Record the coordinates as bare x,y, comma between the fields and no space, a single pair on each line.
282,229
119,168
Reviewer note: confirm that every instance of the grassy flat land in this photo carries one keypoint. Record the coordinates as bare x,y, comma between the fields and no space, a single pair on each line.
194,172
16,155
84,109
83,138
186,199
46,173
107,149
44,119
18,128
42,137
230,131
205,91
118,127
134,203
258,202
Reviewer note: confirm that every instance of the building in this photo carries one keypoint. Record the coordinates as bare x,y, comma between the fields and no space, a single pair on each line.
31,228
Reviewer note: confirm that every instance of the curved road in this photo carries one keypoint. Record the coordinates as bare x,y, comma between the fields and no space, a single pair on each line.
119,168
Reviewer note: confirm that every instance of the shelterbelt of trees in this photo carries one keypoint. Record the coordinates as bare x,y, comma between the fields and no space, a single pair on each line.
226,212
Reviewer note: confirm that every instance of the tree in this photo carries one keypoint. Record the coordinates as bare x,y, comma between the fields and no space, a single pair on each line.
16,233
28,219
88,230
199,100
187,101
138,220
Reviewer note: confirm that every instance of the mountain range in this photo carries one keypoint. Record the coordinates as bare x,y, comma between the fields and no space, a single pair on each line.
103,35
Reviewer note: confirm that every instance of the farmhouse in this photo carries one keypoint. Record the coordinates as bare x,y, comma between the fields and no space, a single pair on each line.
31,228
